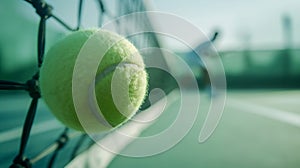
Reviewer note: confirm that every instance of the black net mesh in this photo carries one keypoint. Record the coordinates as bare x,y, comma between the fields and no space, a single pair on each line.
108,10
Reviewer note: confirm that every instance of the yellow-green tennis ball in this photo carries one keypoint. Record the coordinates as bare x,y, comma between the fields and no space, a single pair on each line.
120,81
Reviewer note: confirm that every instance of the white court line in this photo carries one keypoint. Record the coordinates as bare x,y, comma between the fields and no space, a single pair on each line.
287,101
276,114
98,157
36,129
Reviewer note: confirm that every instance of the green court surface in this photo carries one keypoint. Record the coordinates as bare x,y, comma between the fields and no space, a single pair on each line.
257,129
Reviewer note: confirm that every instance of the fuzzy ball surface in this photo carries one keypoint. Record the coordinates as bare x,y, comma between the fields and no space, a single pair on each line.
119,83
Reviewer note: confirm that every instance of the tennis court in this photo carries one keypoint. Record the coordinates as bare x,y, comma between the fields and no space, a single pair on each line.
259,128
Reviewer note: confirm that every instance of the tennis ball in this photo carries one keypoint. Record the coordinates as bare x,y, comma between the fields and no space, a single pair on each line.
120,80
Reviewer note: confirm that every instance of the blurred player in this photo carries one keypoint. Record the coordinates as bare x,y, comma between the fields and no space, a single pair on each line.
197,55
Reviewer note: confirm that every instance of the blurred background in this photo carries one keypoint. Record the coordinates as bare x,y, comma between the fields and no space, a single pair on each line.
258,42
